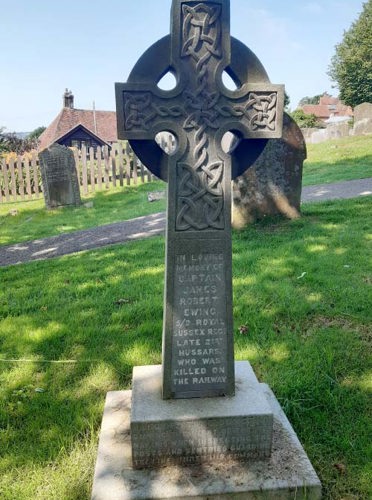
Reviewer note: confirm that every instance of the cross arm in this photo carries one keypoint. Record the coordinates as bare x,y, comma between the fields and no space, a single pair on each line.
145,110
256,111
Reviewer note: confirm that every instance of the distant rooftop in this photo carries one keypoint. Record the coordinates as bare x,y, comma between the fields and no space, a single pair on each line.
100,123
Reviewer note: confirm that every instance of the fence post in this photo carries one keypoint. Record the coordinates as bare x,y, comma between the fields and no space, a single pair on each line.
35,172
99,167
92,170
113,163
107,166
78,165
26,163
84,169
13,179
121,165
21,182
6,180
129,153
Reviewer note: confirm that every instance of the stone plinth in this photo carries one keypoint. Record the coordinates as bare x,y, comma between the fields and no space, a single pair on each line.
166,432
286,474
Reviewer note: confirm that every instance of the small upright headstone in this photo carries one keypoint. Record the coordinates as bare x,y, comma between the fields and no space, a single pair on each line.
59,177
363,119
272,186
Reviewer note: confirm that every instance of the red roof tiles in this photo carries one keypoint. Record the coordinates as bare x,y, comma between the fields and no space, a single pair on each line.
328,106
69,118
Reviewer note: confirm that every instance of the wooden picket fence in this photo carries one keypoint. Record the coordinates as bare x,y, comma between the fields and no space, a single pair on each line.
101,169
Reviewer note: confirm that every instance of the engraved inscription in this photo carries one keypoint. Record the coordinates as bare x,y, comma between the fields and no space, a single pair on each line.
59,177
57,171
195,442
199,322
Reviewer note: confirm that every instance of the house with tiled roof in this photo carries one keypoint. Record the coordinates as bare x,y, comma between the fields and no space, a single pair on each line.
78,127
328,107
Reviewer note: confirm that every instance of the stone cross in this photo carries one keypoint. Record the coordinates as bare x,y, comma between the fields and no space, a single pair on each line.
198,357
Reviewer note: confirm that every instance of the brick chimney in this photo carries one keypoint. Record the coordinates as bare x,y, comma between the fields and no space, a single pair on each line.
68,99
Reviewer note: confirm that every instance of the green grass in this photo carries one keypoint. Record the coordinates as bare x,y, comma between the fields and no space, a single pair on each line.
33,221
75,326
338,160
334,161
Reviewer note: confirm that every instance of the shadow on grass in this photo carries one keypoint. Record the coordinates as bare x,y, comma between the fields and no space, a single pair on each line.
302,290
89,318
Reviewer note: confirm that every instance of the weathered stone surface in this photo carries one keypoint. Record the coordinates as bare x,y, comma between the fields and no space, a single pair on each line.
363,119
185,432
287,474
156,196
330,132
198,291
59,177
273,184
362,112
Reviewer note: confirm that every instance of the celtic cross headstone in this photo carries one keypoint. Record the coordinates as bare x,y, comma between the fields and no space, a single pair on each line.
198,358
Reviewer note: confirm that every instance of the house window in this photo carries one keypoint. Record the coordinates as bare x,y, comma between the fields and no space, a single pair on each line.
76,143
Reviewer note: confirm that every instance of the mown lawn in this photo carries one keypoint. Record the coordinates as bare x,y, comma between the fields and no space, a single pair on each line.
334,161
33,221
72,328
338,160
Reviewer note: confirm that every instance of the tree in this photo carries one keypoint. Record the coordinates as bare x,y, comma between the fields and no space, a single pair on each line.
3,144
351,66
35,134
9,142
304,120
310,100
287,101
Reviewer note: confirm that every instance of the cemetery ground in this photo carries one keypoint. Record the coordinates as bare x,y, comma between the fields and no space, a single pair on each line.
334,161
338,160
72,328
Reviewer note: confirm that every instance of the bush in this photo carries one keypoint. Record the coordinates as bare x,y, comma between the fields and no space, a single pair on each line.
304,120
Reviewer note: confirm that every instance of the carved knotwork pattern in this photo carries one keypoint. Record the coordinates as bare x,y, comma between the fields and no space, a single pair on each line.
140,110
200,197
201,32
201,111
259,110
200,192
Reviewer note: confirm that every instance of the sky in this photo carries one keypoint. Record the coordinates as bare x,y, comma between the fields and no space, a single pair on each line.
88,45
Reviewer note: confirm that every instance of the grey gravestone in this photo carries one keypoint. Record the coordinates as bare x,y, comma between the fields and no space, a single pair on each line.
198,358
363,119
59,177
272,185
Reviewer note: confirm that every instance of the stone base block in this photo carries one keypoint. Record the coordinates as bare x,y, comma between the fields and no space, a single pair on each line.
191,431
286,474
